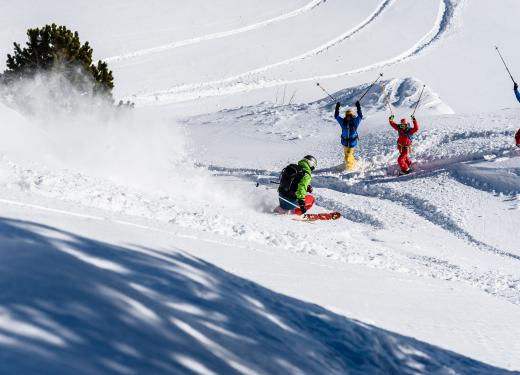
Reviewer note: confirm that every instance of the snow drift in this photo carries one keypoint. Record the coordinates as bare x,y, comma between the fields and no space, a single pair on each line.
401,93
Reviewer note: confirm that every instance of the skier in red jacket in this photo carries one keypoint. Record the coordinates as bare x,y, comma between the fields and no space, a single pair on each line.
404,143
517,138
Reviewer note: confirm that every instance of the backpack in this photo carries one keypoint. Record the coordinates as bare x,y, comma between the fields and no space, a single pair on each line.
289,180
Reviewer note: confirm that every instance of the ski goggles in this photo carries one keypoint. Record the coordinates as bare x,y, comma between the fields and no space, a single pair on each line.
312,164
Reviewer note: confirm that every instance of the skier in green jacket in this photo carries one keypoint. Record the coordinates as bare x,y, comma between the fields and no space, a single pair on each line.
295,184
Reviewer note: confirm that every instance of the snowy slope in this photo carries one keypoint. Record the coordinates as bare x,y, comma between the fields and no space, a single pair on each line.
253,49
448,246
151,307
149,231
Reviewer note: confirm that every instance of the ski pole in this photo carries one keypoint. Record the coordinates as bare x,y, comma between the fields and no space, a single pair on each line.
387,97
287,201
510,75
325,91
370,87
291,203
282,198
267,187
418,101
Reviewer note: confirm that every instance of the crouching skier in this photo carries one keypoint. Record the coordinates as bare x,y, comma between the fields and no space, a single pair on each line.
404,142
349,133
517,136
295,183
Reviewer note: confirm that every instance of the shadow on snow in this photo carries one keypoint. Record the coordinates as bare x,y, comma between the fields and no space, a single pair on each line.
69,304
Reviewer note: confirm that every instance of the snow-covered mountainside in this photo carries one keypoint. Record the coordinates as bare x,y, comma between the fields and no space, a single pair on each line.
242,52
145,241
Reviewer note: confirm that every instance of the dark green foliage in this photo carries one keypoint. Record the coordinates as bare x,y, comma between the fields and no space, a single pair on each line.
55,49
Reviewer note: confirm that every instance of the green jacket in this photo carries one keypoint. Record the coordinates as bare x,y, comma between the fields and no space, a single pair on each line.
301,191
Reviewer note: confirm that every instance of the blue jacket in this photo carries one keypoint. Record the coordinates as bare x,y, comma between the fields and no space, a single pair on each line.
349,129
517,93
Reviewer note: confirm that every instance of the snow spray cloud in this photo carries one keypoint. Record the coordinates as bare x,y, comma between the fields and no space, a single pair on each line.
91,136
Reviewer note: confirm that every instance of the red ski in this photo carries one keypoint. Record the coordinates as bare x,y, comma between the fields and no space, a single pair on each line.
319,217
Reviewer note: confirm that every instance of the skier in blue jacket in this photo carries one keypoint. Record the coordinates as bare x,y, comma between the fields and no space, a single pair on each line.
349,133
517,136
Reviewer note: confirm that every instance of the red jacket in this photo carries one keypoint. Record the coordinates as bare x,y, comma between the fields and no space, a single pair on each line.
517,137
405,135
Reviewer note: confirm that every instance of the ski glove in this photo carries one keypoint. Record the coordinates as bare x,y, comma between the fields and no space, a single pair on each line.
358,105
392,118
516,86
310,189
413,118
303,208
338,104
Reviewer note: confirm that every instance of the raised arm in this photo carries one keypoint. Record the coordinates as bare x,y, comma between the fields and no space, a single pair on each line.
415,128
338,118
336,111
358,107
392,123
517,93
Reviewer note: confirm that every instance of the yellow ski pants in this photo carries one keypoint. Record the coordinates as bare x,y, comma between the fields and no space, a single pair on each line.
350,161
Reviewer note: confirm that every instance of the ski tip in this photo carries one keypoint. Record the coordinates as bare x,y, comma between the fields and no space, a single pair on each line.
330,216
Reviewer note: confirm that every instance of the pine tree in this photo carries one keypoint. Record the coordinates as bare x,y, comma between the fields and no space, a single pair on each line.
55,48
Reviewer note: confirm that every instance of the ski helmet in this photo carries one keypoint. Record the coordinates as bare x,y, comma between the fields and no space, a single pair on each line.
311,160
403,124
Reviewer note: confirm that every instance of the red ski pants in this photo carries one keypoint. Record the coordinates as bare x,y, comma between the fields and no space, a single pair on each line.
309,202
404,159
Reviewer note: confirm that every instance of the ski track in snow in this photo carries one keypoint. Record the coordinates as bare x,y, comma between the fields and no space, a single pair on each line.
505,286
494,283
245,82
379,186
223,34
421,207
386,195
228,228
314,52
118,221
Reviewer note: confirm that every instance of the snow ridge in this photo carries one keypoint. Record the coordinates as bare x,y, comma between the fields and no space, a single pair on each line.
403,93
